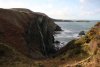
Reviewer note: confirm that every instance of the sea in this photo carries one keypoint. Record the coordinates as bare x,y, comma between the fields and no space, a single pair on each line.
71,31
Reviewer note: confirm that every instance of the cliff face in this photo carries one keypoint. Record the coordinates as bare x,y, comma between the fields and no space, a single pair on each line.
23,32
28,32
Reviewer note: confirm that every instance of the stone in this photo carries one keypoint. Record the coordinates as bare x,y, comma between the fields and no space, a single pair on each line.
81,33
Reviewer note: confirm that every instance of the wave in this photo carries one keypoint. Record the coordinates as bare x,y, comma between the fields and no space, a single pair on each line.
66,35
68,31
76,35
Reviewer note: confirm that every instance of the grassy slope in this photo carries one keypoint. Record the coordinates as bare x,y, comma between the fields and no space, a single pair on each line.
11,58
76,54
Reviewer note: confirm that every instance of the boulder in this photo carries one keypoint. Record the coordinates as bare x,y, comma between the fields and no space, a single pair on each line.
58,28
28,32
81,33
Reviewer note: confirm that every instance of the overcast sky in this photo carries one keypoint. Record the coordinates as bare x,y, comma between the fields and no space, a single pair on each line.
63,9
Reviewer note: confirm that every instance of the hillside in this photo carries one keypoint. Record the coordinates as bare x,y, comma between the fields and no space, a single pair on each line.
28,32
26,40
73,56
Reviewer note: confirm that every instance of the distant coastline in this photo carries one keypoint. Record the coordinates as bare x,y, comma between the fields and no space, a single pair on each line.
64,20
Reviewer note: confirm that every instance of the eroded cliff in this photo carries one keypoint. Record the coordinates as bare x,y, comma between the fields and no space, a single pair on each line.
26,35
28,32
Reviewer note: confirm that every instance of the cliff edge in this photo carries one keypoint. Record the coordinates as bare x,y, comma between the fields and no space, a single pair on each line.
28,32
26,40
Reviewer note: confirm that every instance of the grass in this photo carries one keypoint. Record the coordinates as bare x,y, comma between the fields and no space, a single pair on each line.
11,58
77,53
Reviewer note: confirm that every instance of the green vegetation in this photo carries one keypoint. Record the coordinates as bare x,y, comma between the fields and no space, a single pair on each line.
77,48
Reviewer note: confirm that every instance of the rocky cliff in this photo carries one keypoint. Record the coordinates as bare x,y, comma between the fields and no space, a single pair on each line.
28,32
25,35
83,52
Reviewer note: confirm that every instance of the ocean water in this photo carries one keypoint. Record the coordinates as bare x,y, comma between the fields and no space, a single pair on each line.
71,31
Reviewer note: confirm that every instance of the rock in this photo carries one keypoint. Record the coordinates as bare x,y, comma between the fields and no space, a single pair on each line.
28,32
58,28
57,42
81,33
21,33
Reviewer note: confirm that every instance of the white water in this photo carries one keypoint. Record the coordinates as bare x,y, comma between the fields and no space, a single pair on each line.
71,31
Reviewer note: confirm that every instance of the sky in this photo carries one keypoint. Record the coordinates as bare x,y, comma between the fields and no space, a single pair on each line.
59,9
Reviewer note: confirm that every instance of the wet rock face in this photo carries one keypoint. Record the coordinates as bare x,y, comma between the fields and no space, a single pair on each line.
28,32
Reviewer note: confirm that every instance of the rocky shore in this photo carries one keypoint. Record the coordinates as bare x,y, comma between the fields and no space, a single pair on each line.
26,40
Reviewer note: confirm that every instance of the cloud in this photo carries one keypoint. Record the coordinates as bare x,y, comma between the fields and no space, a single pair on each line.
82,1
90,13
12,4
58,13
55,8
48,7
85,1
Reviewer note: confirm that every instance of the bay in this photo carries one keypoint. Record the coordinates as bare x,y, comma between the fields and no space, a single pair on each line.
71,31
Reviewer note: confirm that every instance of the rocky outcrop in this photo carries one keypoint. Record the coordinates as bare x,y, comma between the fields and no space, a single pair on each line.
28,32
81,33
